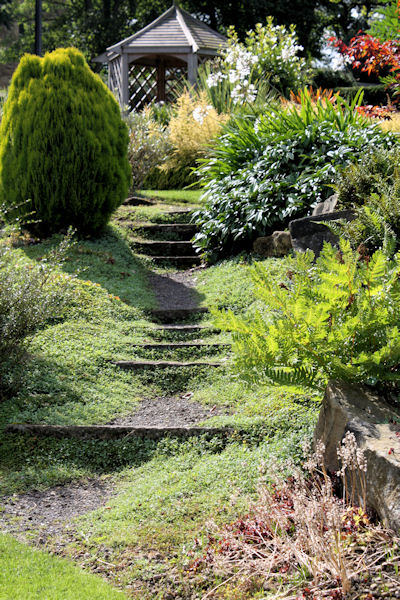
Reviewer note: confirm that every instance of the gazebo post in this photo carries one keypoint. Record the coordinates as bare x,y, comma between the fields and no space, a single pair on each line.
160,66
125,79
192,68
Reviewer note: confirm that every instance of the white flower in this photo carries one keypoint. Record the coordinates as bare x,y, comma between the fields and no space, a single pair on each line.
214,79
199,113
233,76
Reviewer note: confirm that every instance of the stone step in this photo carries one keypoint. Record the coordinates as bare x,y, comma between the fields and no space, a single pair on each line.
177,261
165,248
173,315
162,364
175,345
185,231
107,432
188,328
138,201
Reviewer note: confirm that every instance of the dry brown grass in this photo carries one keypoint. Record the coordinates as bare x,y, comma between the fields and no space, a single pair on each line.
301,541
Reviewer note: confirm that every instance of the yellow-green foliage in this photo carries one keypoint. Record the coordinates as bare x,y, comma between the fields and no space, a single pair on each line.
63,145
195,125
392,124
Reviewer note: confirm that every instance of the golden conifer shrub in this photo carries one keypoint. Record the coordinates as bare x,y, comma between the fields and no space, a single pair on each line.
63,145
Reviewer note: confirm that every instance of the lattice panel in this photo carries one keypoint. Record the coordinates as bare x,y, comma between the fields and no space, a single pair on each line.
115,78
142,86
175,79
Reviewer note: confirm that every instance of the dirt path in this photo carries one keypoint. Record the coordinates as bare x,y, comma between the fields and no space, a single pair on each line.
40,515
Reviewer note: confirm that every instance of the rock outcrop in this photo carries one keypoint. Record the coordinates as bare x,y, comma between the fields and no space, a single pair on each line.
376,426
311,233
277,244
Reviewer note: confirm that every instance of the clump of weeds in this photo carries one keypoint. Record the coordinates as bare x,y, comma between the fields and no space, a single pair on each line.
301,540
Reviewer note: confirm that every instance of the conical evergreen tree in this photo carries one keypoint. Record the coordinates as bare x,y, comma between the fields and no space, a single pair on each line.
63,145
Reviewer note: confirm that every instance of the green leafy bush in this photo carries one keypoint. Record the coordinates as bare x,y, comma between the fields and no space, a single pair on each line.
373,94
371,174
263,173
63,144
336,318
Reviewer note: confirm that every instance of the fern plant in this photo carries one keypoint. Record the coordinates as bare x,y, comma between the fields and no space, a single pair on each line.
336,318
372,189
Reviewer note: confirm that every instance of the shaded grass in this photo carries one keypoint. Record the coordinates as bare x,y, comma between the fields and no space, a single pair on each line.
29,573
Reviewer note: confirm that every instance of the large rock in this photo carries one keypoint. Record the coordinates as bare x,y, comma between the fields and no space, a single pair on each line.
277,244
356,409
326,207
310,233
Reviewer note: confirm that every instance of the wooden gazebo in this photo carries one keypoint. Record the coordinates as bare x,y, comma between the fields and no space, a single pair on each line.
148,65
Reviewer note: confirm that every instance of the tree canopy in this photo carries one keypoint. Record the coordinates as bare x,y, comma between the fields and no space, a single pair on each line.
92,25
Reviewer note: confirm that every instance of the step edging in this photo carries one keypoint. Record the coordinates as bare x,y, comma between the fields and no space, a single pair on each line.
112,431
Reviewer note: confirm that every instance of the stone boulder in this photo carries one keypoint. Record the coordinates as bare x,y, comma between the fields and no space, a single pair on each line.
375,425
277,244
310,233
324,208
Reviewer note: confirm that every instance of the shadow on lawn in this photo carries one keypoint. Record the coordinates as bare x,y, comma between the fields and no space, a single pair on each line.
108,260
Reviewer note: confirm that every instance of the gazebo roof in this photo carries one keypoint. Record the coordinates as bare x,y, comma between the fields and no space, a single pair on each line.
175,30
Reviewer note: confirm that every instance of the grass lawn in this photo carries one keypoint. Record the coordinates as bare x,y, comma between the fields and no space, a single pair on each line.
165,490
177,196
27,573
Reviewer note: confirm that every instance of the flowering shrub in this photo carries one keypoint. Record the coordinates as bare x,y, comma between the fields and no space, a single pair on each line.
266,172
149,145
335,319
269,53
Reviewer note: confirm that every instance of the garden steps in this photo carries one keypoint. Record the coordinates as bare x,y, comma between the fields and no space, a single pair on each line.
177,261
174,315
173,249
109,432
185,328
175,345
185,231
163,364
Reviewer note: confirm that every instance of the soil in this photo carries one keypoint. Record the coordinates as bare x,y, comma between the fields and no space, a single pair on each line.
48,513
167,412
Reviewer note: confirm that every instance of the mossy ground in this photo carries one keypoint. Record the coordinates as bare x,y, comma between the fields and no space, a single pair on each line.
165,491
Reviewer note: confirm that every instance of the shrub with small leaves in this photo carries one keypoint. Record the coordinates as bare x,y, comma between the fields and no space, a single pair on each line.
31,295
193,127
63,145
372,189
149,144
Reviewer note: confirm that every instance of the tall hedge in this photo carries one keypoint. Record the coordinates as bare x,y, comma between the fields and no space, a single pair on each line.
63,145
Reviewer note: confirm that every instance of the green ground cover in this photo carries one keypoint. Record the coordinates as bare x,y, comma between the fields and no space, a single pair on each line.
174,196
28,573
165,490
